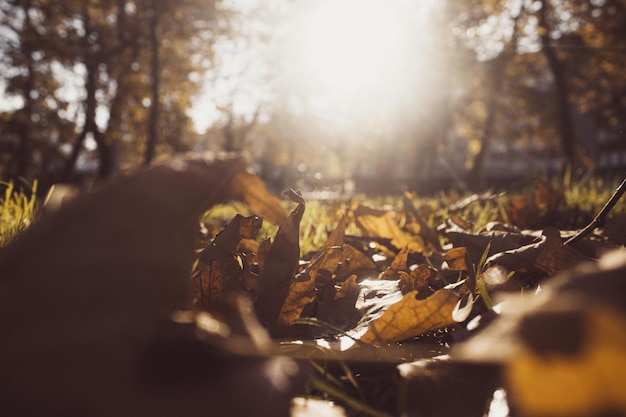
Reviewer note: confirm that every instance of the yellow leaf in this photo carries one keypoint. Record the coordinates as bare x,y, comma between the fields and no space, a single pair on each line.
385,226
335,241
411,317
592,382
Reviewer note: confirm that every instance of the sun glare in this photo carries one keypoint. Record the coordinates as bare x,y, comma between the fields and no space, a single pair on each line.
348,43
348,55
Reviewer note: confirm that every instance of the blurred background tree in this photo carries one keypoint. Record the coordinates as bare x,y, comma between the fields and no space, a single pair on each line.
550,84
376,96
114,77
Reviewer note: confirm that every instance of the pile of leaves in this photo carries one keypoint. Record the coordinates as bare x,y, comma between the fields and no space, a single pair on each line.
84,289
399,278
402,283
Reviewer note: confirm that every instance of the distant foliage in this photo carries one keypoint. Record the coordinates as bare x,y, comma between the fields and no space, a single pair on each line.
86,77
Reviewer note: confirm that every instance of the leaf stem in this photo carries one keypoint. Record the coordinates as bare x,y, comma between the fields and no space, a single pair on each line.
599,219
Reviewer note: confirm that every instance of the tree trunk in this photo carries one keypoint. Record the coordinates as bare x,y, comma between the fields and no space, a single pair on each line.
70,164
106,158
475,177
24,118
153,117
91,103
234,134
561,89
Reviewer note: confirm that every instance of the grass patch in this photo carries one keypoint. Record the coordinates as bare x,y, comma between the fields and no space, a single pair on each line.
17,210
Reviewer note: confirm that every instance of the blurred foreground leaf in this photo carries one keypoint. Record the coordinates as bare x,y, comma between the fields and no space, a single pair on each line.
562,350
84,290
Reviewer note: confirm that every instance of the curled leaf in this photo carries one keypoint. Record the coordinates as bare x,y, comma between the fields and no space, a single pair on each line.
279,269
398,264
547,256
302,291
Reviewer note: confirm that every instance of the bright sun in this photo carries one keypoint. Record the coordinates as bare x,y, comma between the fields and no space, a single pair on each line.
350,55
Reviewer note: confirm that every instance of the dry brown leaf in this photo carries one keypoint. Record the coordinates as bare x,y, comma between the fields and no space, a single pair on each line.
249,279
547,256
346,288
592,382
398,264
248,246
217,263
354,261
456,259
209,283
339,309
497,240
421,279
303,290
336,237
263,253
411,317
279,269
418,225
301,293
335,241
385,226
